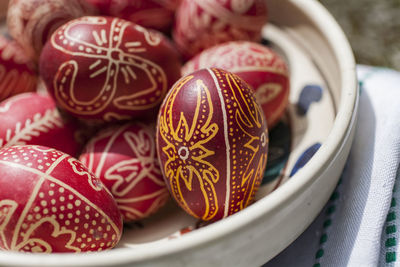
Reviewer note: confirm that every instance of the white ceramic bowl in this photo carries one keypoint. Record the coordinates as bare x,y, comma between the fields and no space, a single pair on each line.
318,53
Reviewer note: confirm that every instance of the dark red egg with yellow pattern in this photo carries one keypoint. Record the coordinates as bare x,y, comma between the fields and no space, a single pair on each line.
125,160
33,119
17,73
31,22
154,14
103,68
262,68
212,142
53,204
201,24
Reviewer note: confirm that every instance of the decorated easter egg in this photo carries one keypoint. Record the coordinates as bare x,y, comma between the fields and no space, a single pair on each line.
204,23
125,160
16,70
212,142
31,22
53,203
155,14
262,68
104,68
34,119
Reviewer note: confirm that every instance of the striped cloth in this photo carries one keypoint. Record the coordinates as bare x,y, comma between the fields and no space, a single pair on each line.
360,225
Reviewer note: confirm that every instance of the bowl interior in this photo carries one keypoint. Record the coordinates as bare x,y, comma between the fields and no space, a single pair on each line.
316,76
297,137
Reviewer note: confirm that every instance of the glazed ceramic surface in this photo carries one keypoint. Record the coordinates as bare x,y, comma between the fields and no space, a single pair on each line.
308,150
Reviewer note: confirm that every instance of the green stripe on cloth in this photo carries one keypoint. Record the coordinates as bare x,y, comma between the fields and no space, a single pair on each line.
390,229
330,209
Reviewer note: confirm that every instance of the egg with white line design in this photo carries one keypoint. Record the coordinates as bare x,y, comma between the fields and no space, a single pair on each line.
33,119
261,67
108,69
53,204
125,159
212,141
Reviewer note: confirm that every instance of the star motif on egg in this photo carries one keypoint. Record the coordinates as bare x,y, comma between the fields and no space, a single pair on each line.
186,148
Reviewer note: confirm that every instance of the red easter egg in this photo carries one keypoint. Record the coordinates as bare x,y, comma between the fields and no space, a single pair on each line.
201,24
31,22
104,68
125,160
212,141
53,204
263,69
154,14
33,119
16,70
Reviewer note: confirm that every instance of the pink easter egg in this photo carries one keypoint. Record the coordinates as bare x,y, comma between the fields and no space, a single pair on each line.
201,24
262,68
53,204
125,159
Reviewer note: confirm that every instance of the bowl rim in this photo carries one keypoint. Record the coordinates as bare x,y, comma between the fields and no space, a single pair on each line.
268,204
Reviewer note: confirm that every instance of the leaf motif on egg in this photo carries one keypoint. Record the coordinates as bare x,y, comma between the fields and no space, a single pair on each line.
187,147
41,123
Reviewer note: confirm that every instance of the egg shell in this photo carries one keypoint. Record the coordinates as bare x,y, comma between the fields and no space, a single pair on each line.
125,160
154,14
103,68
262,68
31,22
200,24
212,142
53,203
33,119
17,73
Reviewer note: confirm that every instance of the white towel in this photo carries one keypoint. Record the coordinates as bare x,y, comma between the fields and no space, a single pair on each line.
360,225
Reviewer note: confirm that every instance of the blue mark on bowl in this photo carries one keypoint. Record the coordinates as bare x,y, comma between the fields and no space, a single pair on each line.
310,93
304,158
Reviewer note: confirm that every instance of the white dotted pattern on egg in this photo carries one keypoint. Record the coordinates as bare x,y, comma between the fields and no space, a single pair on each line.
33,157
55,209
